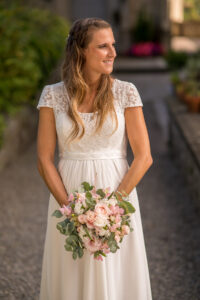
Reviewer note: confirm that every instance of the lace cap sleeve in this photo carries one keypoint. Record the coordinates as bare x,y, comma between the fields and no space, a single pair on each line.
132,97
46,97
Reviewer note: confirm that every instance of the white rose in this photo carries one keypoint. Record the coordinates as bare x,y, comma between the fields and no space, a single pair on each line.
112,201
112,218
77,209
81,232
104,232
100,221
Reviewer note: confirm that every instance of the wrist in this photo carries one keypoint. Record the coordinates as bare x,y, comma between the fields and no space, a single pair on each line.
121,194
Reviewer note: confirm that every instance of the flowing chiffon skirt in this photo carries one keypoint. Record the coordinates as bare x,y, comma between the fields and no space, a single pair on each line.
123,275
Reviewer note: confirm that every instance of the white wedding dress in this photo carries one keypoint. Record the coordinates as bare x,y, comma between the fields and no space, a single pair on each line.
123,275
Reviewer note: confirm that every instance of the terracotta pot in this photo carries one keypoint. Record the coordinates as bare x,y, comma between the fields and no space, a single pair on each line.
186,98
180,93
193,104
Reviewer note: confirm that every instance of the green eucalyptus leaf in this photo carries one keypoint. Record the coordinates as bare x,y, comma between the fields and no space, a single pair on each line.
80,252
57,213
68,247
111,195
87,186
127,206
87,232
74,255
101,193
88,195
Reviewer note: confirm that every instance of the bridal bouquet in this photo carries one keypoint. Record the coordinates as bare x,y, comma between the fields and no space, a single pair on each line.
96,220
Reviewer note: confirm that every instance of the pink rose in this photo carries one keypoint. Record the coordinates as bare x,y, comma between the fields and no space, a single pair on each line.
82,219
70,197
114,227
65,210
105,248
107,191
116,209
121,211
81,196
99,257
118,219
93,245
94,194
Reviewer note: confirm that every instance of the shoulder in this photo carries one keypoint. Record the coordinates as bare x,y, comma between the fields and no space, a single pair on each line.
126,94
51,95
123,85
55,87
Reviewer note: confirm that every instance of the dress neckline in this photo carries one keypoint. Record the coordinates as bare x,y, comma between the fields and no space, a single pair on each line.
91,113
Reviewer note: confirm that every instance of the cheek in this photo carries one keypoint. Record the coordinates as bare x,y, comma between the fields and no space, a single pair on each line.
96,57
99,54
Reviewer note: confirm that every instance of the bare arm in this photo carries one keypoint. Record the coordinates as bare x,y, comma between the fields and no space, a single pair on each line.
46,143
140,145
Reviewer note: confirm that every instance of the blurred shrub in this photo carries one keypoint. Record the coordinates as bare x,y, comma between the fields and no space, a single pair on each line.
176,60
193,67
145,29
186,81
32,41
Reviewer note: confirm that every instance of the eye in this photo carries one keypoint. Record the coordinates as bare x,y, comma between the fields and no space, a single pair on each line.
104,45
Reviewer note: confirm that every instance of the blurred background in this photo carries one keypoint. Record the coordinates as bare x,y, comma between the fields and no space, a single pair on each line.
158,49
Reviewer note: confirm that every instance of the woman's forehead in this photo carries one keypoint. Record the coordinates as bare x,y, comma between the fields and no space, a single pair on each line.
102,35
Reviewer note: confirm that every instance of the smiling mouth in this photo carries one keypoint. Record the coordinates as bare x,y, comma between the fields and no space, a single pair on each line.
109,62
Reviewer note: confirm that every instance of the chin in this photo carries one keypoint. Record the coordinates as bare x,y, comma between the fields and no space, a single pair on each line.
108,71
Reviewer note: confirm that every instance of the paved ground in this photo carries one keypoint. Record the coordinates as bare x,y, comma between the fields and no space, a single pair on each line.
170,220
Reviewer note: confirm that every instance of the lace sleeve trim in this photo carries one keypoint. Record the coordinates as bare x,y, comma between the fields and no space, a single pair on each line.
46,98
132,96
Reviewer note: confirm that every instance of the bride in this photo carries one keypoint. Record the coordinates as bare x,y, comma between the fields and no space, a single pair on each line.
92,115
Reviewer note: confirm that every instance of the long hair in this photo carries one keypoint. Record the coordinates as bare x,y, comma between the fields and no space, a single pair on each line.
79,37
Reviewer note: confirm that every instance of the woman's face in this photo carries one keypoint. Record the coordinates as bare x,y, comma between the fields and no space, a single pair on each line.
100,53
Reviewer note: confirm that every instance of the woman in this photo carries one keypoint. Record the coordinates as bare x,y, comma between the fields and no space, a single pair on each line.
92,115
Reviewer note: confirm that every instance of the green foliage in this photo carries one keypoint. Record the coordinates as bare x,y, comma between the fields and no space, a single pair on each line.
127,206
187,80
193,67
2,127
57,214
101,193
87,186
191,10
32,41
112,243
145,29
176,60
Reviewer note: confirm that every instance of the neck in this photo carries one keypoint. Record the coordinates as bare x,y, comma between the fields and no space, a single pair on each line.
92,82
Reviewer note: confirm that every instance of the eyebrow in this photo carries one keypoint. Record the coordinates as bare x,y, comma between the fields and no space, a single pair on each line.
107,43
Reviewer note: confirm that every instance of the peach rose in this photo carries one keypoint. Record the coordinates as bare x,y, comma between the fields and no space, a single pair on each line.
82,219
125,229
90,218
102,209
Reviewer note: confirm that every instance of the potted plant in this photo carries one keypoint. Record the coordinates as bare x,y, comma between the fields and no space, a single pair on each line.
193,98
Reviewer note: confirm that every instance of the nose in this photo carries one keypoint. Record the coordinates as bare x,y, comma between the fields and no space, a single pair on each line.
112,51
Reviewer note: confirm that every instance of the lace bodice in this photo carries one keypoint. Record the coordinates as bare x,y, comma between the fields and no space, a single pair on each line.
101,144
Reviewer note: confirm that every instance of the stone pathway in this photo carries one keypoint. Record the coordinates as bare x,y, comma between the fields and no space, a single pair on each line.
170,220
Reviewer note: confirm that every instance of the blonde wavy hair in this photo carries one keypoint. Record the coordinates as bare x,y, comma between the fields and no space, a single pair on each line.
79,37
